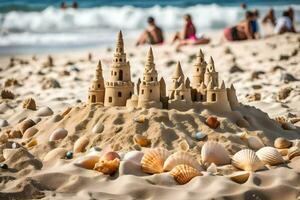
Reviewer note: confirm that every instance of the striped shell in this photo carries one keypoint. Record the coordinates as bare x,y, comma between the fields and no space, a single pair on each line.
282,143
239,177
247,160
293,152
214,152
270,156
153,161
255,142
184,173
179,158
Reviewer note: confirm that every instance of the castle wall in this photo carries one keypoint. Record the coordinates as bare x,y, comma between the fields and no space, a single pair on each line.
148,93
117,95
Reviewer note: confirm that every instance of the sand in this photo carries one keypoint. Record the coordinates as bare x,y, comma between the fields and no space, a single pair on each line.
265,73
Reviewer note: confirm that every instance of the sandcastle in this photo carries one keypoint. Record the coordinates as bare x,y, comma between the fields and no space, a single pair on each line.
204,90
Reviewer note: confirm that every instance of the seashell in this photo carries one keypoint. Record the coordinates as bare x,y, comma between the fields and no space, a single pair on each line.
179,158
247,160
283,152
29,104
270,156
134,156
56,118
107,166
293,152
140,119
80,144
36,119
282,143
98,128
184,173
255,142
66,111
58,153
212,122
212,168
111,155
24,125
58,134
153,161
239,177
288,126
87,162
30,132
3,123
45,111
141,140
200,136
32,143
15,134
7,94
214,152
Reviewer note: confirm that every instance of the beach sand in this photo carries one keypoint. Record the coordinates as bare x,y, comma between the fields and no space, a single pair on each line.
265,73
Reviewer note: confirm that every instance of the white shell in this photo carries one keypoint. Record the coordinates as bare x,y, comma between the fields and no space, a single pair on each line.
293,152
80,144
58,134
255,142
45,111
179,158
247,160
214,152
3,123
98,128
270,156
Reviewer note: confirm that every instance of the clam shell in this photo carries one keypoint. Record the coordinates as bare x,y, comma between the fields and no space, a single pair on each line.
293,152
98,128
30,132
107,166
45,111
214,152
55,154
24,125
255,142
239,177
179,158
80,144
153,160
247,160
282,143
270,156
87,162
184,173
58,134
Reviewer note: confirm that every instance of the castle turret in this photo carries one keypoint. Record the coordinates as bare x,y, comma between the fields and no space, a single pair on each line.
211,74
232,98
149,88
96,89
119,87
199,70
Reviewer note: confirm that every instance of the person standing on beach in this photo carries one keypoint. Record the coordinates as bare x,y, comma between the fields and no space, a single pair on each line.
270,18
188,34
152,35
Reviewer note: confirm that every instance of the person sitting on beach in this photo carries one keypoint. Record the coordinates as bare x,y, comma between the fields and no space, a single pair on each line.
243,30
63,5
75,5
152,35
188,34
290,10
270,17
284,24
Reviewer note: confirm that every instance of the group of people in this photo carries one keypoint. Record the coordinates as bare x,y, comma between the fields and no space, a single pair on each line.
244,30
64,5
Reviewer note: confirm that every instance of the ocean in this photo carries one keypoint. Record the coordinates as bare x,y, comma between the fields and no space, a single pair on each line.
34,25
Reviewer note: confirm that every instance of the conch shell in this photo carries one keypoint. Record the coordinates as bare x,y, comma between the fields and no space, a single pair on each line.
153,161
179,158
247,160
214,152
184,173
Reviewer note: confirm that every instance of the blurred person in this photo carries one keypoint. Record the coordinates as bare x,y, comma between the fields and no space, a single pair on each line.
254,24
63,5
270,17
290,10
75,5
243,6
152,35
188,34
284,24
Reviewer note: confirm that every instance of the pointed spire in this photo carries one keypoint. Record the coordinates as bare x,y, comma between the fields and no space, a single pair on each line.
232,87
211,65
187,83
223,85
200,57
120,43
150,57
99,66
178,71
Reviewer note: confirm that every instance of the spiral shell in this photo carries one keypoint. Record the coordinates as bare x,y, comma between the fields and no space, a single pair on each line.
255,142
239,177
270,156
214,152
247,160
184,173
153,161
81,144
179,158
293,152
282,143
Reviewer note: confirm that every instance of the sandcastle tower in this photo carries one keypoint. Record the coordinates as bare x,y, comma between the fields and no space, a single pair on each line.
96,89
179,92
232,98
211,75
119,87
149,87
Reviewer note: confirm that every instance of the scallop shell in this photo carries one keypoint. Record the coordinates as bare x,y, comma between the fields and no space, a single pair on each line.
29,104
153,160
87,162
282,143
214,152
247,160
255,142
55,153
24,125
184,173
293,152
270,156
181,157
58,134
80,144
239,177
107,166
30,132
